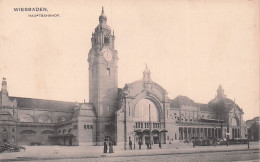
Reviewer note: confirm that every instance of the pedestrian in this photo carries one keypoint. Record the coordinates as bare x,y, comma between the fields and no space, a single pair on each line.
130,143
140,144
147,144
160,145
105,146
110,147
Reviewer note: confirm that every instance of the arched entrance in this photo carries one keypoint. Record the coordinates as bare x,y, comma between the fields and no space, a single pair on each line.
147,122
235,127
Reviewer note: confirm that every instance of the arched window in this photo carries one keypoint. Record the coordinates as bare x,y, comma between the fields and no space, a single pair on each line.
142,111
61,119
234,122
26,118
44,119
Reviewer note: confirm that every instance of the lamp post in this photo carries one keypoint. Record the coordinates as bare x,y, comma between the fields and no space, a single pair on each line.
150,126
215,141
134,136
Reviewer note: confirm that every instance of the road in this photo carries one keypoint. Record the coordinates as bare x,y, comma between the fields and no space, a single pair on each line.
210,156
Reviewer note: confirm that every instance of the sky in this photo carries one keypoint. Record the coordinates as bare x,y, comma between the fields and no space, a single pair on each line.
190,47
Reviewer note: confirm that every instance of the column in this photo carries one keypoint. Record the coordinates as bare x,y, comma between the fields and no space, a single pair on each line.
189,133
186,133
232,132
182,133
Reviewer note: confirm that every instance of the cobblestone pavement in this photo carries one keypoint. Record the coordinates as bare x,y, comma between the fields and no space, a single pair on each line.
81,152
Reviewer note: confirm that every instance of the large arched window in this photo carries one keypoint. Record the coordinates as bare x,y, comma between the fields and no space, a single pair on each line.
44,119
26,118
234,122
141,112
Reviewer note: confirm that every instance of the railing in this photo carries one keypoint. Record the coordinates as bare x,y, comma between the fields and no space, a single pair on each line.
155,125
199,123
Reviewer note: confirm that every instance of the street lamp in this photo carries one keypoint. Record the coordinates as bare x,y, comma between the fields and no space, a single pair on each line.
134,136
215,141
150,126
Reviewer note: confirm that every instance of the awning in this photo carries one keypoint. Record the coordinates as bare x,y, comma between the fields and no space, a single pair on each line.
163,131
155,131
148,130
62,135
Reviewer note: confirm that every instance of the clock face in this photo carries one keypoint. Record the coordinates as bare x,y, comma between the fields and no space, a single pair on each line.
108,55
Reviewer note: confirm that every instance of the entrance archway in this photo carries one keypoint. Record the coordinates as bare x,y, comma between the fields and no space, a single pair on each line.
141,112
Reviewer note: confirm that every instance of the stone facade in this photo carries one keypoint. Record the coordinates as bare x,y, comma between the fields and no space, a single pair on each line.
141,111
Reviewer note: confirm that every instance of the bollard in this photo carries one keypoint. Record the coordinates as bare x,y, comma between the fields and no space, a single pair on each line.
193,143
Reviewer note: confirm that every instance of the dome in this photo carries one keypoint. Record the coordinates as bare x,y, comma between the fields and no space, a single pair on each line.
102,26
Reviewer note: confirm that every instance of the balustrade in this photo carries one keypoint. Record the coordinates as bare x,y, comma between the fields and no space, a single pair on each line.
142,125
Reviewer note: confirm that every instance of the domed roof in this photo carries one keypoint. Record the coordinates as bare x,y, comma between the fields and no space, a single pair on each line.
5,115
102,26
102,22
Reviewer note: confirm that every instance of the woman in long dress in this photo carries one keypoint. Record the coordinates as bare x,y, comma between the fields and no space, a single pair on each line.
110,147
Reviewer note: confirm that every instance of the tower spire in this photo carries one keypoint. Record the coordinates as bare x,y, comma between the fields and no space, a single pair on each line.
220,91
102,12
146,74
102,17
4,85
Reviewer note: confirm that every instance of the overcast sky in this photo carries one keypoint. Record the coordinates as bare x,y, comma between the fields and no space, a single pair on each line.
191,47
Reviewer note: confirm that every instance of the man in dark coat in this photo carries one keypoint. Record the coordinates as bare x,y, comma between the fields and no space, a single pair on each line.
140,144
130,143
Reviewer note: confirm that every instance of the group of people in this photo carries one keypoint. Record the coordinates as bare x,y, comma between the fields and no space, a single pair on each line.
148,144
108,146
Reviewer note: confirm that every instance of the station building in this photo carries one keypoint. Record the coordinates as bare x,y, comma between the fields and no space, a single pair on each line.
140,111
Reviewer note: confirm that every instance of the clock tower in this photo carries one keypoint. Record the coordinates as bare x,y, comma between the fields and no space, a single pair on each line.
103,86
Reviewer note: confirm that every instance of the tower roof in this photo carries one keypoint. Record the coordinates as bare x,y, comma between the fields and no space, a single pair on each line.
4,86
147,74
220,91
102,22
102,17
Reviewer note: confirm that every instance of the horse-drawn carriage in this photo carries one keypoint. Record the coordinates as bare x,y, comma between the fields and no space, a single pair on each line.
10,147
